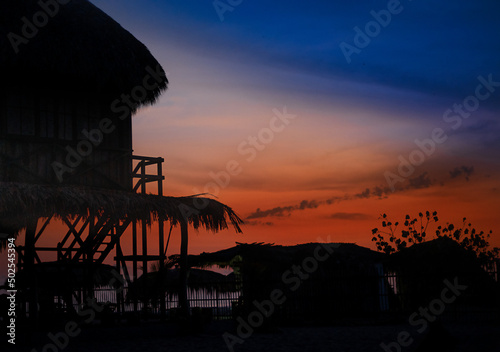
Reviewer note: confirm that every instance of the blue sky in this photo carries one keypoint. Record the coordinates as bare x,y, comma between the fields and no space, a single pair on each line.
438,48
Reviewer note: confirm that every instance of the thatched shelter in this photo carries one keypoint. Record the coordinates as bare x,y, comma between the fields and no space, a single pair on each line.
69,89
72,78
147,288
422,269
345,283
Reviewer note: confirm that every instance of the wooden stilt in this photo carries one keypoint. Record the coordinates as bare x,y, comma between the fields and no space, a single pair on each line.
183,300
29,269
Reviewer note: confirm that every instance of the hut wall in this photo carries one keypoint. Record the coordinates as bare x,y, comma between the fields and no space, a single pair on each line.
44,139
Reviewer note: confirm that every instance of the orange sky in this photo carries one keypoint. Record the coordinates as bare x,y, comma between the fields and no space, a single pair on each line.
328,155
352,121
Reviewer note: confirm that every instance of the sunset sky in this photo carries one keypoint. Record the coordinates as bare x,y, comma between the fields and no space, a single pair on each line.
321,119
323,172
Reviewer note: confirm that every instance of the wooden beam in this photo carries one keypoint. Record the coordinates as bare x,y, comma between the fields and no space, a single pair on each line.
114,239
44,226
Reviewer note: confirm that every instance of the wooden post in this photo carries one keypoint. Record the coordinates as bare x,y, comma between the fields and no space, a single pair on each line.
183,300
144,226
161,235
161,238
118,294
144,249
134,260
29,269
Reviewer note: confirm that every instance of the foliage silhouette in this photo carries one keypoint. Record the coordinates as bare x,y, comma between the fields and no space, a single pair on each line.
414,231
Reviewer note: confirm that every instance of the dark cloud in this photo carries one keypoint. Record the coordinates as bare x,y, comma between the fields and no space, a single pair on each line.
419,182
308,204
466,171
365,194
278,211
381,192
282,211
350,216
332,200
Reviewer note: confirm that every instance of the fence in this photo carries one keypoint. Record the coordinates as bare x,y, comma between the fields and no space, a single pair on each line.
338,296
218,301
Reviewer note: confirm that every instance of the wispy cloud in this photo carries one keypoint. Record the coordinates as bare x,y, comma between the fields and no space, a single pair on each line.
421,181
466,171
282,211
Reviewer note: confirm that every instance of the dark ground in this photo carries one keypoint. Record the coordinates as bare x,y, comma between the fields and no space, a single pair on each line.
456,336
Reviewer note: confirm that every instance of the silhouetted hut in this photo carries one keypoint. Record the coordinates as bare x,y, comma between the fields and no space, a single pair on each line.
71,79
147,287
63,280
68,93
321,281
421,271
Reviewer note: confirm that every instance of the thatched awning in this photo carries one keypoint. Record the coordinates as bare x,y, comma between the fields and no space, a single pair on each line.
80,48
283,256
21,203
149,286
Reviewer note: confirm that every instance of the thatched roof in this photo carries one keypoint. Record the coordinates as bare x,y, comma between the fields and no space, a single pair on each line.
20,203
423,267
441,256
149,286
261,261
79,49
283,256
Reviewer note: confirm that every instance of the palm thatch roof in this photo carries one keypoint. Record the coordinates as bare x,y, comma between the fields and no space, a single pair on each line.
79,49
21,203
423,267
346,276
283,256
266,261
148,287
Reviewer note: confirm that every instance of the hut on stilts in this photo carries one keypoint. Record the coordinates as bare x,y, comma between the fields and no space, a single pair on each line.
72,78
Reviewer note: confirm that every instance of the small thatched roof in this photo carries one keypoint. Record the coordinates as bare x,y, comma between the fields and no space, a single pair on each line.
149,286
20,203
423,267
79,49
